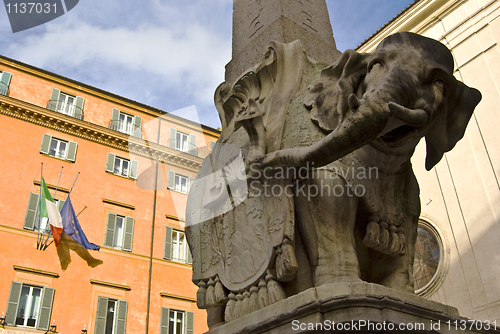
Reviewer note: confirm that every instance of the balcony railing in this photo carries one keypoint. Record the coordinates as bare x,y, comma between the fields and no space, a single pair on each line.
126,127
67,109
4,89
184,146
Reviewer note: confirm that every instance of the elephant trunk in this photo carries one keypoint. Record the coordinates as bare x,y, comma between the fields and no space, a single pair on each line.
364,124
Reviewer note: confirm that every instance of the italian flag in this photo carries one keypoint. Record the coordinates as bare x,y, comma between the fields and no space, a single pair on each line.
49,210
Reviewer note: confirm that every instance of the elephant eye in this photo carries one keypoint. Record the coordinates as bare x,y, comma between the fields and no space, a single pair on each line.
374,65
439,84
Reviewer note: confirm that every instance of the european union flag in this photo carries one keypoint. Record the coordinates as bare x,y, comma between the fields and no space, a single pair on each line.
72,227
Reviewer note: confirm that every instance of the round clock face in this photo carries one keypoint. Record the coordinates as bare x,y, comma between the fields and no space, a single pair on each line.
427,255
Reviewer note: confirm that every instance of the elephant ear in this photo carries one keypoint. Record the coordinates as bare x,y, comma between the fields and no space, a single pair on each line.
450,127
327,95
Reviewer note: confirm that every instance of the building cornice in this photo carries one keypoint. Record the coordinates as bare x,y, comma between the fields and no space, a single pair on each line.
92,132
36,271
184,298
111,285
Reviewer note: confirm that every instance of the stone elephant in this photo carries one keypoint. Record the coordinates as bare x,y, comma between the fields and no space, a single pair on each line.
338,140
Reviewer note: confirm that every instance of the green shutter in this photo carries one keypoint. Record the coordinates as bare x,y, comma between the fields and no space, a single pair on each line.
31,212
71,151
100,319
137,122
121,317
115,117
45,146
5,80
167,251
132,171
109,237
79,107
189,257
54,99
43,322
189,323
212,145
173,136
129,234
60,204
13,302
110,163
165,320
171,180
192,149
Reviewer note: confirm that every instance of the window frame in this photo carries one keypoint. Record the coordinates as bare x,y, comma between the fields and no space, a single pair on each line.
168,251
171,182
120,311
133,166
127,234
63,106
69,153
128,128
187,321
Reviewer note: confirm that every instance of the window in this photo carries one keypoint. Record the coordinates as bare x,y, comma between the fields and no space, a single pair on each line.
176,247
121,166
31,220
29,306
111,316
183,142
65,103
176,322
4,82
119,232
179,182
126,123
58,148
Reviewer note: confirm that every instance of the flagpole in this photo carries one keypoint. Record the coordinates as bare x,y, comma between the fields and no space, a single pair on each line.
50,232
39,210
74,183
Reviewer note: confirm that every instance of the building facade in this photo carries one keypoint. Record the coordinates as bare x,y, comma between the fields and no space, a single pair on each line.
113,145
460,222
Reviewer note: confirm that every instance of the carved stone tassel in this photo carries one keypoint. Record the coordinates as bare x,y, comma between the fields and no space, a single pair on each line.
286,262
263,295
237,306
201,294
229,313
254,299
220,295
210,296
274,289
372,233
384,238
245,306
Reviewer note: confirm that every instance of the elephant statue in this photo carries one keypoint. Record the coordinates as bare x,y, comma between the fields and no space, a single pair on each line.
310,182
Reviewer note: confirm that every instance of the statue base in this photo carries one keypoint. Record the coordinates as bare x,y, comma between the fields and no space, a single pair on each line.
354,308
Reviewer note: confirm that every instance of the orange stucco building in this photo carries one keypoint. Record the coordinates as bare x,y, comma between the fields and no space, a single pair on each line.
113,144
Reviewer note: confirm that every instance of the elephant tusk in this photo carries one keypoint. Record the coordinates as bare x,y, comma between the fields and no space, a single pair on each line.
353,102
412,117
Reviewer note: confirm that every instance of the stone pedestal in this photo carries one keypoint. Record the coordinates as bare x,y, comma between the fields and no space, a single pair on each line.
354,308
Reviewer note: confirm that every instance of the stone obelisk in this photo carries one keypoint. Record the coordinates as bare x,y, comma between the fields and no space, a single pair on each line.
258,22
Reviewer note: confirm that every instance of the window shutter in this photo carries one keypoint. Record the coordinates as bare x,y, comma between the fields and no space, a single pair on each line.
212,145
54,99
165,320
189,257
109,237
71,151
132,172
110,163
31,212
12,304
190,182
189,323
171,180
43,322
137,122
173,136
79,107
100,319
45,146
129,234
121,317
60,204
5,79
167,252
115,116
193,149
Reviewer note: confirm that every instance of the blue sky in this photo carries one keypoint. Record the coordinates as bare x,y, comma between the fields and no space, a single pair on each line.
168,54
